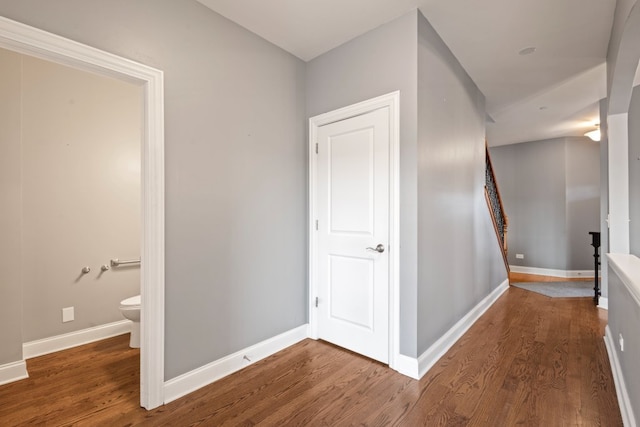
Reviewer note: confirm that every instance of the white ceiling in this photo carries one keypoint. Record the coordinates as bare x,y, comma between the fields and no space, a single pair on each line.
551,93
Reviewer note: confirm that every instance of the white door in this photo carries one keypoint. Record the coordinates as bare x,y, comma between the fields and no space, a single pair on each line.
353,233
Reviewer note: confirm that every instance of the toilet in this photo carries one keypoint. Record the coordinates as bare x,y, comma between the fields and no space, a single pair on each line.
130,309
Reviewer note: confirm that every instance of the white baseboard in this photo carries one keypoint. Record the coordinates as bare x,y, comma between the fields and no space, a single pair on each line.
569,274
628,418
205,375
407,366
13,371
74,339
442,345
417,367
603,302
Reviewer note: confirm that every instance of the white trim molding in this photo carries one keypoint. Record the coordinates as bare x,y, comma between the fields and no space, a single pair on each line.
603,302
408,366
618,195
13,371
41,44
569,274
627,268
626,410
392,102
73,339
207,374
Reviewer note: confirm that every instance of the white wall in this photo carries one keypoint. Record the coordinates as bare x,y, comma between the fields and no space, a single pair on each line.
81,136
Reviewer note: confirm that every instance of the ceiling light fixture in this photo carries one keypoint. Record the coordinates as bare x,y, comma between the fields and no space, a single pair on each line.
527,51
594,135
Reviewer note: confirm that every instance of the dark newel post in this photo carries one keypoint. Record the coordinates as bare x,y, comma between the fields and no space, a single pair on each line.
595,242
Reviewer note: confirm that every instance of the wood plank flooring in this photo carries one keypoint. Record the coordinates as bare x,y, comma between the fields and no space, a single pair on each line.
530,360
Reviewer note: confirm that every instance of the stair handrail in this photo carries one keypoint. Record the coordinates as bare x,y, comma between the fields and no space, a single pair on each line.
496,207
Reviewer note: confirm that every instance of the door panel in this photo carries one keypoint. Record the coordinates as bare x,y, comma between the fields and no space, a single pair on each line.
350,196
351,290
353,215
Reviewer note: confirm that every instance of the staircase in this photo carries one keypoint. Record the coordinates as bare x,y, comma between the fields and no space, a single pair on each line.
494,202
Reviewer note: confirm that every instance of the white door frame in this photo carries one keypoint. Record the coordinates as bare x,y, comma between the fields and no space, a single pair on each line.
391,101
34,42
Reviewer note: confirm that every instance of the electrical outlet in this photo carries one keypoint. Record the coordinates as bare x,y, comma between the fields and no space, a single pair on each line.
621,341
67,314
519,256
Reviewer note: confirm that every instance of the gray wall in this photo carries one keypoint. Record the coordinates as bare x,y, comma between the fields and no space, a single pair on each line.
621,15
11,211
236,185
582,200
450,257
551,193
459,258
604,199
634,172
381,61
624,312
624,318
532,183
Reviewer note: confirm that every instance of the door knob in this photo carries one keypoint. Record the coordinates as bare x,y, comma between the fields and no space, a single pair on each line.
379,248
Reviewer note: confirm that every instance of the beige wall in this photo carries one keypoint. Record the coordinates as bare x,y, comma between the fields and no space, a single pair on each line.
80,196
10,209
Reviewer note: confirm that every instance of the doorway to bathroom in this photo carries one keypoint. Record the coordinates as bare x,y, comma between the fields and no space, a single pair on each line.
78,151
87,197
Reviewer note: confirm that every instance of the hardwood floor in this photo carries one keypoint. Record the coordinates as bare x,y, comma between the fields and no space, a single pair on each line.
530,360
